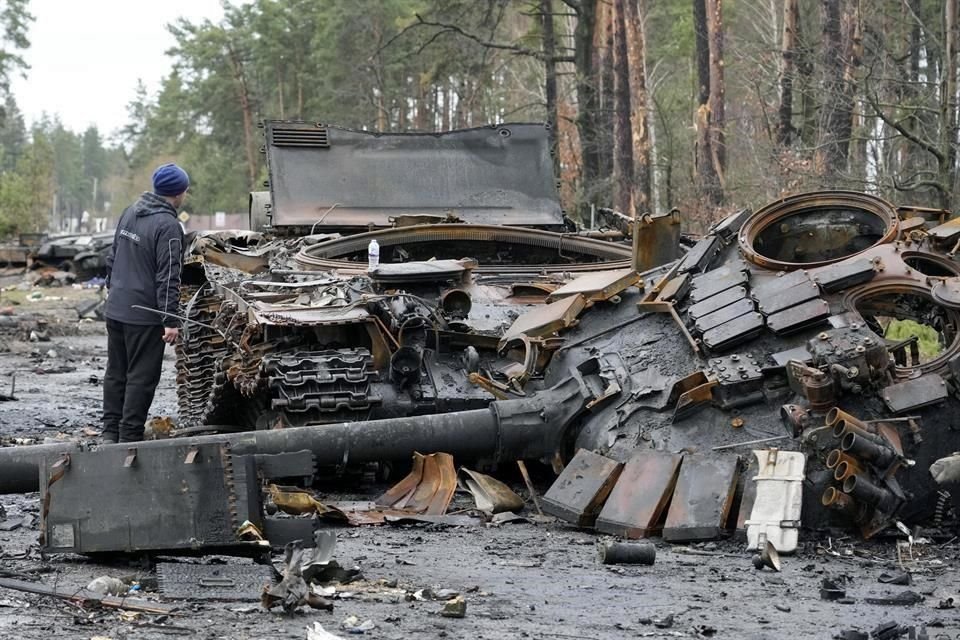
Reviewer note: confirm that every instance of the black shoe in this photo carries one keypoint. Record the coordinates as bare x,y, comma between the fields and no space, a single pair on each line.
108,438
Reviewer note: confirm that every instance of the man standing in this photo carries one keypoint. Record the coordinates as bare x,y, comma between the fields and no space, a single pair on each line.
143,270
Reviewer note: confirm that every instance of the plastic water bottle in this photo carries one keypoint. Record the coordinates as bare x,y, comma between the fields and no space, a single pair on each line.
373,255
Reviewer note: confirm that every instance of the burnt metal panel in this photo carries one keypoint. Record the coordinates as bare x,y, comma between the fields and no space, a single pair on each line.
699,257
845,274
639,500
676,289
218,582
704,288
492,175
702,499
183,496
734,332
799,317
916,393
739,378
714,303
579,492
598,286
725,314
784,299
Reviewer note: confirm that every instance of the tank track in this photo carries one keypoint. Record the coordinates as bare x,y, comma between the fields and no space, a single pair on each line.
315,387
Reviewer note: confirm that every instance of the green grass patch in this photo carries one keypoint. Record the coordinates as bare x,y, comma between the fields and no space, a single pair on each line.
930,346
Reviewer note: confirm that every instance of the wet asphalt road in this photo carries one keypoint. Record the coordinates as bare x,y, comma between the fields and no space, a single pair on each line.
525,580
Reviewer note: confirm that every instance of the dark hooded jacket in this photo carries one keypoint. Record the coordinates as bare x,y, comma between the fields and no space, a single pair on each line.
145,263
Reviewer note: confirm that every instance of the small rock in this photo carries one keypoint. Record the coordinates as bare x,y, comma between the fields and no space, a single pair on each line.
456,608
782,607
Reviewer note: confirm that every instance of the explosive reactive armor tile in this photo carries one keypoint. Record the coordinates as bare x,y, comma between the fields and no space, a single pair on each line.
708,284
718,317
845,274
699,257
578,494
637,504
702,499
772,302
734,332
799,317
714,303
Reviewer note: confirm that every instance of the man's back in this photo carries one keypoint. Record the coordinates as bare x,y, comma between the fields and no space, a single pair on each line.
145,263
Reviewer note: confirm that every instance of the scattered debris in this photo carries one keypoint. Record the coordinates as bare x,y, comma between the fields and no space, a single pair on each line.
456,608
84,597
627,553
108,586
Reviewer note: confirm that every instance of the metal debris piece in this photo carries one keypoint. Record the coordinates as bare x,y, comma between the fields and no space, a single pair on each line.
427,489
82,597
547,319
914,394
638,502
702,498
803,315
596,287
627,553
580,491
676,289
214,582
490,495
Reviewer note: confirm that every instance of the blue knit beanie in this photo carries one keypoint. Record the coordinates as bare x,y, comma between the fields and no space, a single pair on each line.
170,180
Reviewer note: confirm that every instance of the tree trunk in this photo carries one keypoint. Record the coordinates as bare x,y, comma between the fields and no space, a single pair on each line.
622,134
587,79
791,17
639,126
710,156
603,41
550,73
246,108
948,105
837,116
718,98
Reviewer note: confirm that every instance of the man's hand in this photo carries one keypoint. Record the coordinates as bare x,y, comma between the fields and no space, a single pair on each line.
170,334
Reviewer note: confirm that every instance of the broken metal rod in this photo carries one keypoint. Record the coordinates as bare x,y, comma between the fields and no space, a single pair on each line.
178,317
84,597
530,487
902,419
748,443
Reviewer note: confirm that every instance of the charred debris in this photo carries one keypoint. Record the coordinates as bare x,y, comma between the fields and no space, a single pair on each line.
777,372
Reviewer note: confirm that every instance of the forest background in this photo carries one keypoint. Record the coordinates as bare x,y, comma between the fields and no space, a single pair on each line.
705,106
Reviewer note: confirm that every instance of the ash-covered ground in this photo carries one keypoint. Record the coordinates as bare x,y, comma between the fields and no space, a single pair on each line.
528,580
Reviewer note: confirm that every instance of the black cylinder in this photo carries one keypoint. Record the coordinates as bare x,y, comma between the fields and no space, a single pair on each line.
865,491
857,445
628,553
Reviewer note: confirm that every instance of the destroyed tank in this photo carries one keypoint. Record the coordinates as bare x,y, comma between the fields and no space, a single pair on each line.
777,325
292,328
822,323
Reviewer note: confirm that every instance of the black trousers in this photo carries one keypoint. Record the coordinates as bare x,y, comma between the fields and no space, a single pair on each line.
134,360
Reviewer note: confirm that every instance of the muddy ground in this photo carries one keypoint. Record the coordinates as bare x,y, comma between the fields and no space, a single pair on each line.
529,580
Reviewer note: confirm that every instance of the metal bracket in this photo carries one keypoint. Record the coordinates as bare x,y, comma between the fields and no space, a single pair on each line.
131,457
191,455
